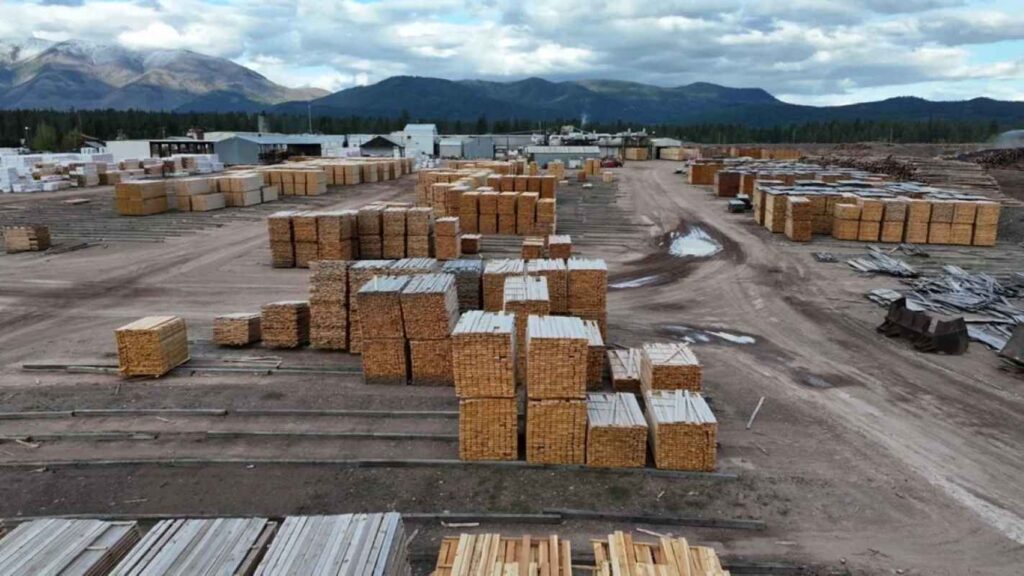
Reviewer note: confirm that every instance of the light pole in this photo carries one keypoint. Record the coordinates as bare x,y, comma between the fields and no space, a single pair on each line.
24,141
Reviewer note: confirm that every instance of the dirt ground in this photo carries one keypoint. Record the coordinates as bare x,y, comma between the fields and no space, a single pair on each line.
866,458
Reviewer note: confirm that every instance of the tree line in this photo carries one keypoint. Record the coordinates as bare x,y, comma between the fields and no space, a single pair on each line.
63,130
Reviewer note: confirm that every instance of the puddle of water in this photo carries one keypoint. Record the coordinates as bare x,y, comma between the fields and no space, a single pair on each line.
636,282
734,338
698,336
696,243
816,381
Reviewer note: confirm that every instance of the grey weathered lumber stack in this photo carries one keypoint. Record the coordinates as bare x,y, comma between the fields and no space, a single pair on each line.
59,547
525,296
152,346
430,311
669,366
239,329
595,355
624,365
228,546
336,235
558,281
683,430
342,545
468,275
483,362
359,273
328,305
383,330
556,380
588,290
282,239
495,272
413,266
616,431
28,238
285,324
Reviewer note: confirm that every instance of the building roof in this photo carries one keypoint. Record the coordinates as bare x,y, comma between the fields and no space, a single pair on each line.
420,128
666,142
271,139
381,142
451,141
563,150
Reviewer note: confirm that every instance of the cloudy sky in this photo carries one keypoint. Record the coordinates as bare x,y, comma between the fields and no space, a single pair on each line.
804,51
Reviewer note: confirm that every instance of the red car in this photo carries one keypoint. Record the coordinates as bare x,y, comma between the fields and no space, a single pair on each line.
611,163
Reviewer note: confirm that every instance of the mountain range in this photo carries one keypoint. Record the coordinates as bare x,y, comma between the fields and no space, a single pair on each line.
84,75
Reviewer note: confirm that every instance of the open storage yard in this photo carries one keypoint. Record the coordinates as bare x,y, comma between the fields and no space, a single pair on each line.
865,456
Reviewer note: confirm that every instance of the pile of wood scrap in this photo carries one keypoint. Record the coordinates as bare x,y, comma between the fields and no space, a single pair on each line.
620,555
26,239
152,346
230,546
239,329
57,546
491,554
285,324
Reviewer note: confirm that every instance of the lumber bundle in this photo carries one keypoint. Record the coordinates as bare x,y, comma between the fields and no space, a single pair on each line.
588,290
624,365
339,545
380,307
360,273
636,154
871,212
495,272
430,306
526,212
285,324
152,346
336,231
30,238
328,305
702,173
483,355
727,183
447,245
229,546
775,211
846,225
560,246
491,554
556,431
616,431
798,226
470,243
56,546
620,555
525,296
533,248
140,197
557,275
595,355
488,429
669,366
385,361
468,276
282,249
239,329
393,227
413,266
683,430
986,224
556,364
431,362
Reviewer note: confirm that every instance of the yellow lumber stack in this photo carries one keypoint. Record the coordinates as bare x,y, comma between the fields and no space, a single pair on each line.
447,245
328,305
336,232
240,329
846,225
307,244
560,246
636,154
507,212
430,311
556,377
798,219
669,366
894,218
393,232
619,555
282,249
285,324
493,555
624,365
775,211
29,238
557,276
986,224
919,214
595,355
533,248
703,173
525,296
871,212
526,212
383,330
418,224
588,290
940,227
488,220
359,274
140,197
152,346
683,430
495,272
616,431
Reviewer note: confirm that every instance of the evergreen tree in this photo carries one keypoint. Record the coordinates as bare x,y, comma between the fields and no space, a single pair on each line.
45,138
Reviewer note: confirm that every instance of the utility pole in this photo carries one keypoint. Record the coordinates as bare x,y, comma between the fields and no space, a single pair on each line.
309,115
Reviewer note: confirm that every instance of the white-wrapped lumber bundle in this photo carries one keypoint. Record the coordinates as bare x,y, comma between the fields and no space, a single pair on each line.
282,248
239,329
624,365
616,431
152,346
57,546
380,308
431,362
595,355
328,305
560,246
359,273
483,355
492,554
558,281
683,430
27,238
669,366
556,431
488,429
430,306
230,546
340,545
285,324
556,365
495,272
620,554
468,275
525,296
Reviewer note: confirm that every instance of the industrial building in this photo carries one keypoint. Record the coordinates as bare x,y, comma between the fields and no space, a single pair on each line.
382,147
420,141
266,148
572,156
136,149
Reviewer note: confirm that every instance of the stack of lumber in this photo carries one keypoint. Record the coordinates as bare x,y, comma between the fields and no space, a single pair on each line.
620,555
702,172
595,355
307,239
413,267
447,245
560,246
285,324
727,183
491,554
55,546
418,224
242,188
894,219
588,290
919,214
239,329
871,212
556,377
430,311
282,249
495,272
393,228
468,275
229,546
336,233
483,364
152,346
341,545
469,211
669,366
370,226
683,430
206,194
488,218
328,305
775,211
546,216
986,224
140,197
470,243
557,275
846,225
798,226
360,273
507,212
624,365
616,431
526,212
636,154
533,248
525,296
26,239
383,330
